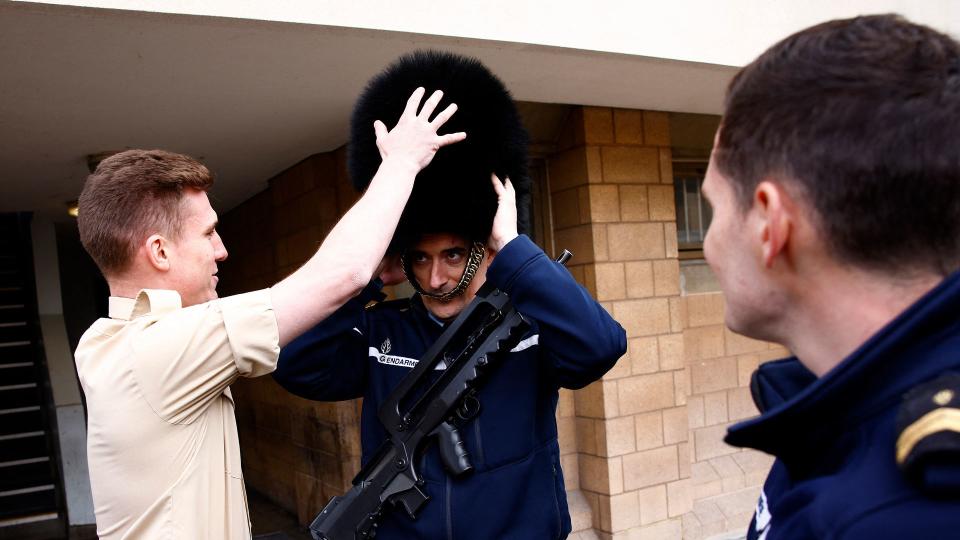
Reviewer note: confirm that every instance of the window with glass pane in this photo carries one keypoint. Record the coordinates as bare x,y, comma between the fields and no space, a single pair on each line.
693,211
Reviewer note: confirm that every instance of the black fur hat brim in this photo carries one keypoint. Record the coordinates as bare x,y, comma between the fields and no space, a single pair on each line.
453,194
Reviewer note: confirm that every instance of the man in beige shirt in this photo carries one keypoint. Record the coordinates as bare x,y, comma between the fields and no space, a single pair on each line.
162,439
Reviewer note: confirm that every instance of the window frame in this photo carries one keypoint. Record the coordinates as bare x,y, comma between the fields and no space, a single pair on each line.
685,172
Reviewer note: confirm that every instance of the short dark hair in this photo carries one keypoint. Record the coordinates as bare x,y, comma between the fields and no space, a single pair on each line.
130,196
863,116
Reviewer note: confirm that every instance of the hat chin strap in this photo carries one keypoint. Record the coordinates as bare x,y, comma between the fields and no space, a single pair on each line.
469,271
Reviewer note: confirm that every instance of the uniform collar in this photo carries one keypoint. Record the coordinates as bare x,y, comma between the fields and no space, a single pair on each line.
416,302
804,412
156,301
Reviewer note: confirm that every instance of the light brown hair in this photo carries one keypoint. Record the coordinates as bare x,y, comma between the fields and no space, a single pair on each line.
130,196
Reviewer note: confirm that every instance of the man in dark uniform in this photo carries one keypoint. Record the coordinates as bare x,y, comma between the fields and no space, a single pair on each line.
835,183
459,230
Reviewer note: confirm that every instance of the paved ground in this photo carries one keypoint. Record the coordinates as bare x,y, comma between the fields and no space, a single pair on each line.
270,522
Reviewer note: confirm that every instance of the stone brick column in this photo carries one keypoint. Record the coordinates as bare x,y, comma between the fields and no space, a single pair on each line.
297,452
611,185
725,480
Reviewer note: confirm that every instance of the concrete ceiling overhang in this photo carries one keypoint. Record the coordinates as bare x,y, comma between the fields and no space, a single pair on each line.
249,97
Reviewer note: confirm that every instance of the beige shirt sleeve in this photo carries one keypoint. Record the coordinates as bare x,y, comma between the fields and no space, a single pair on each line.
185,358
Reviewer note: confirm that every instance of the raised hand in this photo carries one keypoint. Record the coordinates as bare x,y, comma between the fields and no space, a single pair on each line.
390,270
505,221
414,139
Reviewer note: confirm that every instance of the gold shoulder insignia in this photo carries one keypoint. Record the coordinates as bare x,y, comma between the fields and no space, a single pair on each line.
928,434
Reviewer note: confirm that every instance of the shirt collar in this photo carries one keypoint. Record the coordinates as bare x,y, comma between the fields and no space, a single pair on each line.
157,301
435,319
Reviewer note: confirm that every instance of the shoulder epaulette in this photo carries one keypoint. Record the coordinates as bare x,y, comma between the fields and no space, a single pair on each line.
928,435
399,304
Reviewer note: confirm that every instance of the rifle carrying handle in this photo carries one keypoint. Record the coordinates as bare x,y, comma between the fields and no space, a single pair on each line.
453,452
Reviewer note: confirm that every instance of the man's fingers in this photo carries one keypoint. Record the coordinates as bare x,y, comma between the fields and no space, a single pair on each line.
444,115
452,138
380,129
431,104
508,186
414,102
503,188
497,184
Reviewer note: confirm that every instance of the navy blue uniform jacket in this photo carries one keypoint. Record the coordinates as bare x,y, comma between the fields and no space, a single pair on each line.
516,490
836,476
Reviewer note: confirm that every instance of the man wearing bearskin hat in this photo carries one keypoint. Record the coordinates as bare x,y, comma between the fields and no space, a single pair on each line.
462,227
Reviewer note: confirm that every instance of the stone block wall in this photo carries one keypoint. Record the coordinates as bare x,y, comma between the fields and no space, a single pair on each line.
725,480
647,440
297,452
611,185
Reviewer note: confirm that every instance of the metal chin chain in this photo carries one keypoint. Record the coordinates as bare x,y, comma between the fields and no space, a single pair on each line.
469,271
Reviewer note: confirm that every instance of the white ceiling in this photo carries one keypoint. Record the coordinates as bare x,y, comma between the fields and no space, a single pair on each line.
249,97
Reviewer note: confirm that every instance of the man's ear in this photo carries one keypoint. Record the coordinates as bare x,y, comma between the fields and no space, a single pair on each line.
774,208
158,252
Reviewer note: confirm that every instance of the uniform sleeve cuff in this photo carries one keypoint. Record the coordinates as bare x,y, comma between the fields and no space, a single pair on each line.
510,260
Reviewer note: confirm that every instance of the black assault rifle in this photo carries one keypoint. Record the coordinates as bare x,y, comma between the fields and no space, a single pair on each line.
417,412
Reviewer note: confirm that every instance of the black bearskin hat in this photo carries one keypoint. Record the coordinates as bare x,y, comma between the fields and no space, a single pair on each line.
453,194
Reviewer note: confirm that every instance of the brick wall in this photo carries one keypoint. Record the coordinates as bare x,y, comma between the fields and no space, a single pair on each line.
297,452
725,480
611,185
647,440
